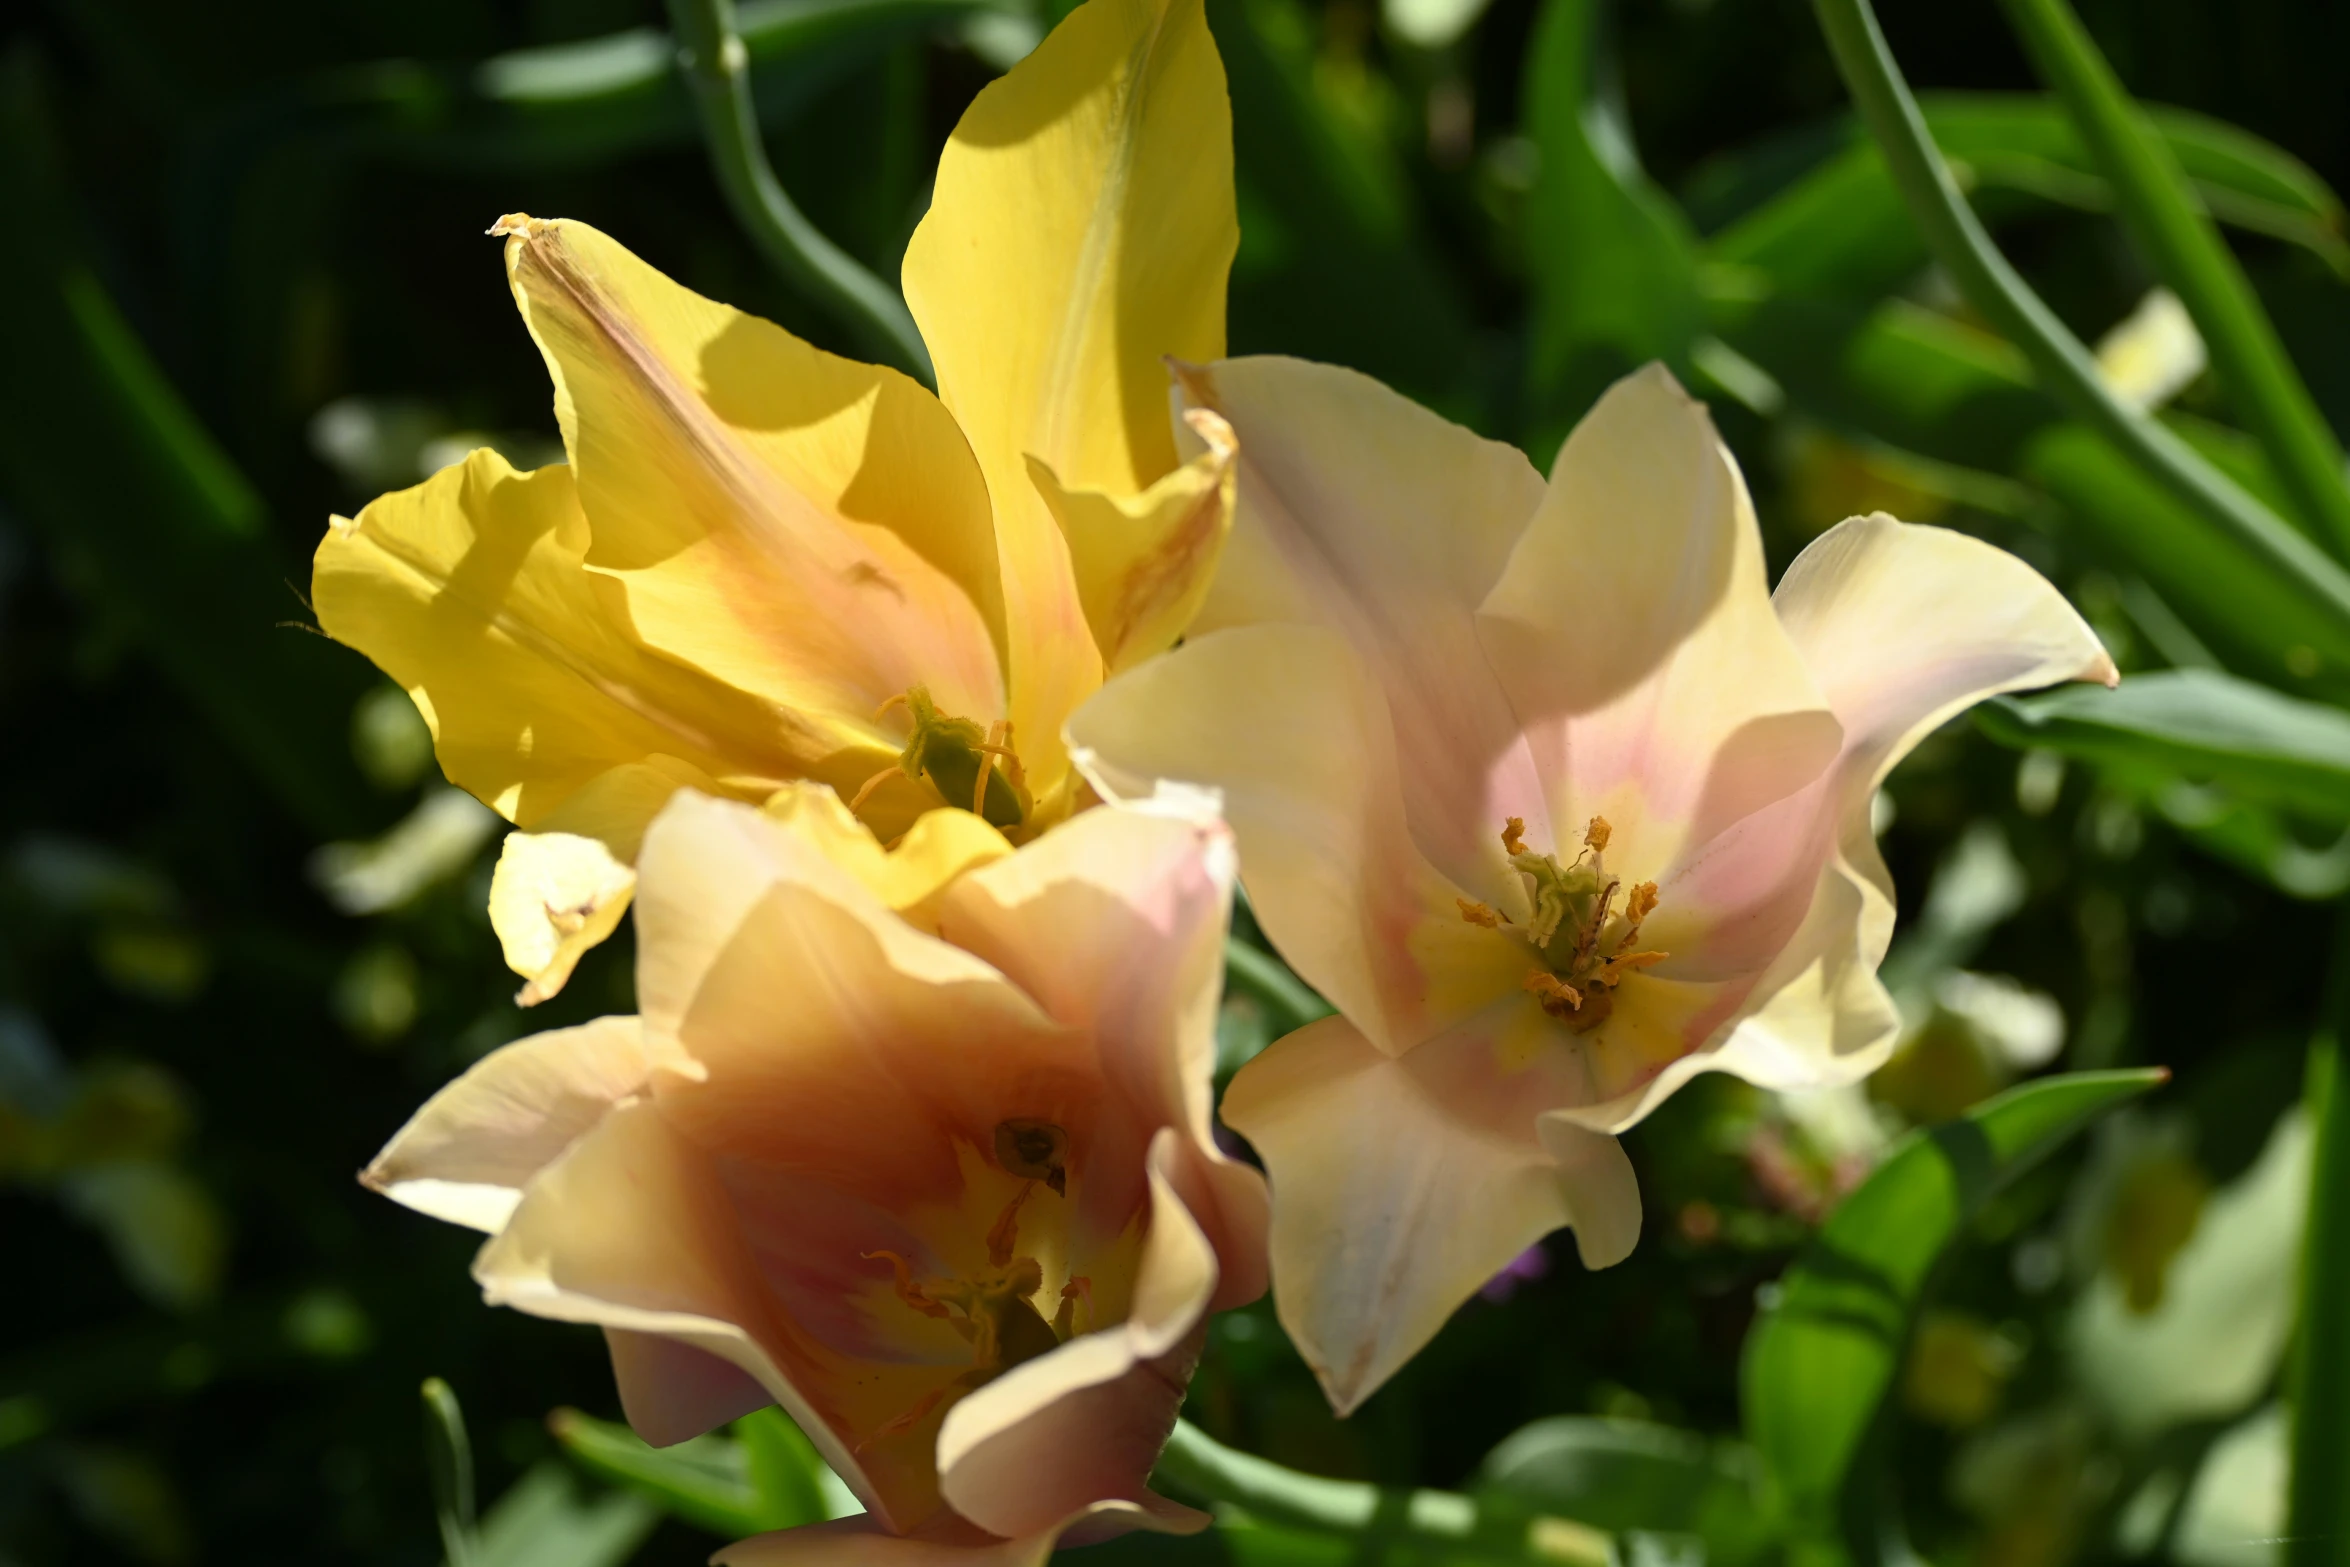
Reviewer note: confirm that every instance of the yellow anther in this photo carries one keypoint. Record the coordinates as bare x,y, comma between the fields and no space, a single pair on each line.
1513,836
1614,969
1641,904
1559,998
1478,914
1596,835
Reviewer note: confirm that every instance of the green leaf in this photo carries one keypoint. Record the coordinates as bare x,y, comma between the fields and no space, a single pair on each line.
2200,724
580,105
1332,264
1925,382
144,511
1635,1476
448,1456
542,1521
2319,1506
762,1477
1821,1357
1611,260
1840,227
2169,224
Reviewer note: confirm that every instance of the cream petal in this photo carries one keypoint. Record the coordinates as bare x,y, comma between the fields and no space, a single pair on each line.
1633,631
1085,1423
672,1393
1903,627
1818,1017
1402,1184
631,1228
554,896
707,863
466,1156
1360,511
1285,722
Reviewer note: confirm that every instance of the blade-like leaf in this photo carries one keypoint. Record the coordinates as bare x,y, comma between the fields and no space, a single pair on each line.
1611,260
1928,383
1634,1476
1840,227
448,1456
1332,262
543,1521
2202,725
99,454
2162,215
705,1481
1822,1356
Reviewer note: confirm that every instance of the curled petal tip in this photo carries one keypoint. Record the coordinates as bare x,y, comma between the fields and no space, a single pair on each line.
1197,381
1213,428
512,223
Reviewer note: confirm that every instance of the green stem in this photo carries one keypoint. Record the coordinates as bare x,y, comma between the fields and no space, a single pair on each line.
2169,222
2318,1531
717,68
1288,1001
1993,287
1447,1521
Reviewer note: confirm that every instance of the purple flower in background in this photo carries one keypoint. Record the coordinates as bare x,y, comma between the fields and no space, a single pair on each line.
1527,1266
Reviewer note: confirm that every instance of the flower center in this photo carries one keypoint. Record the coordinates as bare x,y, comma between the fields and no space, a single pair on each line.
1583,946
994,1308
974,768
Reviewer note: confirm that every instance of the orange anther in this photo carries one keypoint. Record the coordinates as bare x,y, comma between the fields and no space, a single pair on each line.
1596,835
1513,835
1478,914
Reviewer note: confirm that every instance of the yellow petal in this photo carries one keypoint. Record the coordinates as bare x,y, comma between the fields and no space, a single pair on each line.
1633,630
908,878
1144,562
1360,511
1081,229
466,1156
1406,1183
801,526
469,590
1287,723
553,896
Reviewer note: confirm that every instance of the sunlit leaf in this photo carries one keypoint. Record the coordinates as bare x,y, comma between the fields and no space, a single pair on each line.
1611,260
2205,726
1823,1355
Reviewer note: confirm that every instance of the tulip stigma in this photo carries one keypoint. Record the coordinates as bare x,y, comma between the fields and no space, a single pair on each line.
973,768
1582,961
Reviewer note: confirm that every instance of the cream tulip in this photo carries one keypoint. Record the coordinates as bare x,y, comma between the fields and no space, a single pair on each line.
1552,797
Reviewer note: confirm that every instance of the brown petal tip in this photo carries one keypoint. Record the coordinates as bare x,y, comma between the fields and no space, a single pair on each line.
517,223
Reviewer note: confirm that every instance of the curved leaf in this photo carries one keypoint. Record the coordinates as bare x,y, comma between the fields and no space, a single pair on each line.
1822,1356
1841,229
2206,726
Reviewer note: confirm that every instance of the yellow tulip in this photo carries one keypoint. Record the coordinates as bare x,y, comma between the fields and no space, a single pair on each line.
1552,797
764,563
915,1144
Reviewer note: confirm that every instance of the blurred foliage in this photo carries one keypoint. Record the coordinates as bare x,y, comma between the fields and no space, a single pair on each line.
242,928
